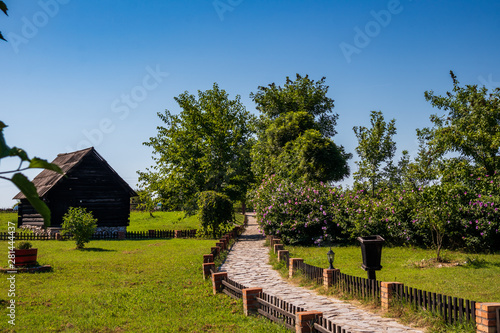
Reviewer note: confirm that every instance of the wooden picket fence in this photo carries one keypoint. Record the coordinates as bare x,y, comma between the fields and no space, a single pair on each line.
150,234
357,286
311,272
278,310
451,309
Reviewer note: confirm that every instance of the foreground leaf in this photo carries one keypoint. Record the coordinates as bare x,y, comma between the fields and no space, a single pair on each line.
43,164
3,7
29,190
4,149
21,153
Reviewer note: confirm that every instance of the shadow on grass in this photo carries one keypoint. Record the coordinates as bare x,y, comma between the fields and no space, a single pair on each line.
95,249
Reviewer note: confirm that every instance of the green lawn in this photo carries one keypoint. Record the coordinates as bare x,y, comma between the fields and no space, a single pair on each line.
478,281
124,286
139,221
5,218
142,221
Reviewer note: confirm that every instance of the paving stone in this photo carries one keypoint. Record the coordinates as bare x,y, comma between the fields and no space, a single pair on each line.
247,264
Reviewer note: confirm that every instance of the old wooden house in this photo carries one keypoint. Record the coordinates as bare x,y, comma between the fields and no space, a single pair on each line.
88,181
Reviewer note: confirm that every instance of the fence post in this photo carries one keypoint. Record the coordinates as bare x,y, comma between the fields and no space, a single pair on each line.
329,277
486,318
250,304
121,235
151,234
282,254
177,234
387,293
208,258
293,262
304,321
216,248
275,241
278,247
217,281
221,245
206,269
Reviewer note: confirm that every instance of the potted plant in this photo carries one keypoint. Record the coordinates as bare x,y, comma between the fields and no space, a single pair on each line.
24,254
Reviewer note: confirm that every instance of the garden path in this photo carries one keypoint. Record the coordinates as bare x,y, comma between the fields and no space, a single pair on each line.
247,264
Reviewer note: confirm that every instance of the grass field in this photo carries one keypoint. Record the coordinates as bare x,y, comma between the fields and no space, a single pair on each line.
470,276
5,218
156,285
123,286
139,221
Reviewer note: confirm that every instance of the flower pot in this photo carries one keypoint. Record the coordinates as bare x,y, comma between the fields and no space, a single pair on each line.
24,257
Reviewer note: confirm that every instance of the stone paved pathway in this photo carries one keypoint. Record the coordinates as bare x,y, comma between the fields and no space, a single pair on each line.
247,263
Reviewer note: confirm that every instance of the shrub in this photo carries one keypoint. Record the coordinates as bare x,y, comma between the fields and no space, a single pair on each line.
24,246
80,224
215,212
455,214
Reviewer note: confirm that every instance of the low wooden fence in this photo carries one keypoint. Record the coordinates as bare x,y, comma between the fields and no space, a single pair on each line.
26,236
150,234
233,289
353,285
311,272
451,309
324,325
357,286
220,247
278,310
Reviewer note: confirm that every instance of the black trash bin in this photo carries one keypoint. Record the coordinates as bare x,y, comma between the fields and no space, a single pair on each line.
371,250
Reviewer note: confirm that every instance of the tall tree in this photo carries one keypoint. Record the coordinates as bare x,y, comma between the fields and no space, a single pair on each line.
294,132
469,127
376,149
206,147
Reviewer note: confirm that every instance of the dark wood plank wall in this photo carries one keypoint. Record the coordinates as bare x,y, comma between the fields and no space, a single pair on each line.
91,185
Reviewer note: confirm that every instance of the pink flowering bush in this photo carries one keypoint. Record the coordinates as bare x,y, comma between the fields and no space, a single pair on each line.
298,213
451,215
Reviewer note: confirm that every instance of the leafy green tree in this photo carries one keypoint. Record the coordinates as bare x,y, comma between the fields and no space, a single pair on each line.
437,210
216,211
20,180
146,201
3,8
79,223
204,148
470,126
376,149
303,94
294,133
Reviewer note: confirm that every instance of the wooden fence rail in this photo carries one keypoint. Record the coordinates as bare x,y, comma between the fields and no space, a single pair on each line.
358,286
278,310
156,234
324,325
452,309
232,288
311,272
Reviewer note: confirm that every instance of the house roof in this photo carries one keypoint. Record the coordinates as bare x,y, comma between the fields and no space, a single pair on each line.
47,179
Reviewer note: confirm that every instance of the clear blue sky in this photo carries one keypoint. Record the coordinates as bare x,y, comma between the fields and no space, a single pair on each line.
103,69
